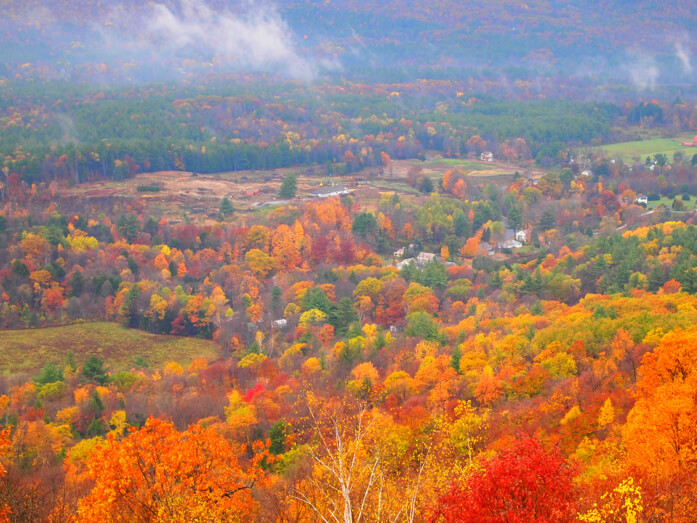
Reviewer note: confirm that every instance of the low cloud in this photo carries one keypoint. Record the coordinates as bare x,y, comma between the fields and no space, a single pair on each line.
67,126
164,37
684,55
643,71
255,38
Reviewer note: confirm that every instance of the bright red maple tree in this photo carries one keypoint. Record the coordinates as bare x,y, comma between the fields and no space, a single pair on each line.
526,483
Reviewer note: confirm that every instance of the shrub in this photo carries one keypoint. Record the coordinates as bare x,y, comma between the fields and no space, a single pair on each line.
148,188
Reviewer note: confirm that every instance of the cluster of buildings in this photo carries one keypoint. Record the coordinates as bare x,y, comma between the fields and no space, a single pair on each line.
420,260
511,239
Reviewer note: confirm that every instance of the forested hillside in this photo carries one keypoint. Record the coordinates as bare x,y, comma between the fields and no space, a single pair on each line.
56,132
567,360
340,261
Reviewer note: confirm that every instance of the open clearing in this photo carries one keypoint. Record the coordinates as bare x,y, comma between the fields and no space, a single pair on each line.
29,350
474,168
640,149
668,202
185,196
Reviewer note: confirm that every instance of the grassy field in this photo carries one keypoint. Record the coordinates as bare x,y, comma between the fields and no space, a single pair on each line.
468,165
28,350
627,151
393,186
668,202
472,167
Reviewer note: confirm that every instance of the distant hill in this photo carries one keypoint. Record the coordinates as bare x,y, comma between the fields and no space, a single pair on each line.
644,42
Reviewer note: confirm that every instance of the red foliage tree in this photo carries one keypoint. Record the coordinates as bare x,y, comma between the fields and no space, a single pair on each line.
523,484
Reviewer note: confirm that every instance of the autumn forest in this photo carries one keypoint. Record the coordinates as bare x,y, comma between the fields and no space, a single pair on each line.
347,262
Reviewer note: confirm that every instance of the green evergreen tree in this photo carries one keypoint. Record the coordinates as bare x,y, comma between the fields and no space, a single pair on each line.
410,272
226,209
434,275
289,187
420,324
277,436
547,220
49,374
128,226
515,216
70,360
462,226
20,269
364,223
343,316
455,358
316,298
77,283
276,295
129,308
93,370
495,281
96,428
566,176
426,185
656,278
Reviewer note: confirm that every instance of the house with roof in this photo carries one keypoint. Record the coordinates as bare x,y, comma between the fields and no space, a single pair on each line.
523,236
405,251
487,156
420,261
404,263
510,244
279,324
642,199
509,240
425,257
330,190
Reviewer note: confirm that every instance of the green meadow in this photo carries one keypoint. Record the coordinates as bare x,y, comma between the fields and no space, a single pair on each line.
628,151
29,350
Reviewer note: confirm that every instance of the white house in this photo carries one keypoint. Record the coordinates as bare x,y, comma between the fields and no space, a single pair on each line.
400,253
280,324
425,257
404,263
510,244
487,156
420,261
522,236
642,198
329,191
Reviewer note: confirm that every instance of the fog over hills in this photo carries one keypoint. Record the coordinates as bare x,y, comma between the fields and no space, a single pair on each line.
642,43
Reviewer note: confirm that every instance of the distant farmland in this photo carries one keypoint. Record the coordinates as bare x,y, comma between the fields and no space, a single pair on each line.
627,151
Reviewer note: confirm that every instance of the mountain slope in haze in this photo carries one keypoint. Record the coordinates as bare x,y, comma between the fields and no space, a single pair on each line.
643,41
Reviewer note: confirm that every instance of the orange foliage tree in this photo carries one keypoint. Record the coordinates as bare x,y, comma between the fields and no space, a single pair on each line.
160,474
661,431
5,444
